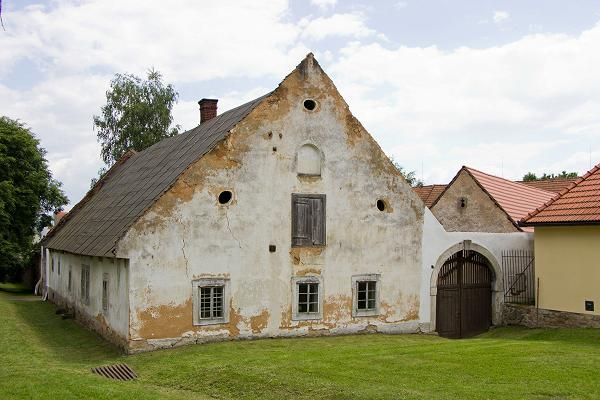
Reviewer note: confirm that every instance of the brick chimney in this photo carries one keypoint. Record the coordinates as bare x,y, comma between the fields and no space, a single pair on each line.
208,109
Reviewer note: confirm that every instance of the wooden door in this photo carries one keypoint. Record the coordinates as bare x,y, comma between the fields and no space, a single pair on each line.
464,296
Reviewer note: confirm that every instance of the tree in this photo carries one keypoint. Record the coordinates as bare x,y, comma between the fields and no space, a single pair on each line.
410,177
27,193
530,176
137,114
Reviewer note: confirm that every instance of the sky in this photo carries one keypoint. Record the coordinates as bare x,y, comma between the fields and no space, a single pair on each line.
506,87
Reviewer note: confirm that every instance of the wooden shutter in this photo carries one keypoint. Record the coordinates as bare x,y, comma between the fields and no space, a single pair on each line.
308,220
301,221
318,221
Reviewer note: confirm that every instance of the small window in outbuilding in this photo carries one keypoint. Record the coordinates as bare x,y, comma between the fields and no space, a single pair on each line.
308,160
211,297
308,298
381,205
310,104
69,283
366,295
85,283
462,202
105,292
225,197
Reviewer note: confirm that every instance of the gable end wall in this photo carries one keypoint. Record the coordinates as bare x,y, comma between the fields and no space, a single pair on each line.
480,215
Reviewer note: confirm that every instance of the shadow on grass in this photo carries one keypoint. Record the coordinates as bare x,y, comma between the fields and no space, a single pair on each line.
65,339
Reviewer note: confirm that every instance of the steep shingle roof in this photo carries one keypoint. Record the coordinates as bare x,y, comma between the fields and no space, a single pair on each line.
555,185
430,193
578,204
96,223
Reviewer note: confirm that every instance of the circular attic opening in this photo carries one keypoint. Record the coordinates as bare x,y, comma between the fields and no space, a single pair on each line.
310,104
381,205
225,197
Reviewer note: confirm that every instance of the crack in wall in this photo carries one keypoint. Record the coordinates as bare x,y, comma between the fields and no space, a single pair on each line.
229,228
187,273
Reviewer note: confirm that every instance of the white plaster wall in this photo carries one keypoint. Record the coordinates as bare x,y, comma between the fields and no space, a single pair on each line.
198,238
437,242
117,316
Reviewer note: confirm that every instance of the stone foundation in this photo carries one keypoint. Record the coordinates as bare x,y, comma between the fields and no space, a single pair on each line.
144,345
531,317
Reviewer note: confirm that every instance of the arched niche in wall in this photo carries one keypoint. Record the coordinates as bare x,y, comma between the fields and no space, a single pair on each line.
308,160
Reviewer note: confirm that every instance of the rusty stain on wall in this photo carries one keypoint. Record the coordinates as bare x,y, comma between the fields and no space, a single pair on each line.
165,321
259,322
305,255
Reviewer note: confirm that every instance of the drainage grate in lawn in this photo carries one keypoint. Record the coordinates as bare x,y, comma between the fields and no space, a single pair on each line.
120,372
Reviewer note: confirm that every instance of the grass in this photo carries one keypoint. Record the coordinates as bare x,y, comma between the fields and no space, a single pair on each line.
43,356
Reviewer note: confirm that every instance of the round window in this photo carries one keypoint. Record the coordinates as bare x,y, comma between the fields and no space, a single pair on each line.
381,205
225,197
310,104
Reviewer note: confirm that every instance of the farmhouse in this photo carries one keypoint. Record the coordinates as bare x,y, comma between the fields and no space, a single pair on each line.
281,217
567,251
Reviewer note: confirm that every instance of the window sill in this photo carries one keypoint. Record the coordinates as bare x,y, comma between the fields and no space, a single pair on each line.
365,313
307,317
204,322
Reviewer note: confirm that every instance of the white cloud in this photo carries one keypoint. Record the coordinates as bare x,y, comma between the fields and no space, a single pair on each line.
323,4
501,16
527,105
349,25
505,109
189,40
401,4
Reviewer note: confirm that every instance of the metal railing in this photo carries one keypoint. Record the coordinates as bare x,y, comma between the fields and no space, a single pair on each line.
519,275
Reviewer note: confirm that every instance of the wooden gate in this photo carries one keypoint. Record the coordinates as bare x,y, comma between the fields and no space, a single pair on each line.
464,295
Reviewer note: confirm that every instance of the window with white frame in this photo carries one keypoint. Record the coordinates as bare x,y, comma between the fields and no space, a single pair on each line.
85,283
105,292
211,297
308,298
365,290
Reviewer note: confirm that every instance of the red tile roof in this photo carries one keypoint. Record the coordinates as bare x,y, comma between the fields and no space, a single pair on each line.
578,204
555,185
514,198
430,193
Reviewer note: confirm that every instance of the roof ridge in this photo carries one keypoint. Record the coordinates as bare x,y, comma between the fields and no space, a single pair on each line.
509,181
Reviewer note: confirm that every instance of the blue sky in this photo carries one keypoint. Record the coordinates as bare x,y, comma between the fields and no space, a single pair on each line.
502,86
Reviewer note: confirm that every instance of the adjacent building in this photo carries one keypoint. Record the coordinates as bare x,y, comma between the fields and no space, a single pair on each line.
567,252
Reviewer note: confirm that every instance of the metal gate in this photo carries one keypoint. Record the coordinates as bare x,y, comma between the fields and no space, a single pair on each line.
464,295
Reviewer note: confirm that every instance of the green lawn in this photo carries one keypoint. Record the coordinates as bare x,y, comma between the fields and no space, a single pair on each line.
47,358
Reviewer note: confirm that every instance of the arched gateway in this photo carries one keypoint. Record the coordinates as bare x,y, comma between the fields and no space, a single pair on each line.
464,295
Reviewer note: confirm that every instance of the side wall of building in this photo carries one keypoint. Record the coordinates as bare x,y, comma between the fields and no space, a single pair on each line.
480,213
113,322
188,236
567,262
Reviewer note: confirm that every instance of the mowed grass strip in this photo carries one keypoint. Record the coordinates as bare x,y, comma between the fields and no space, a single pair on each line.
43,355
